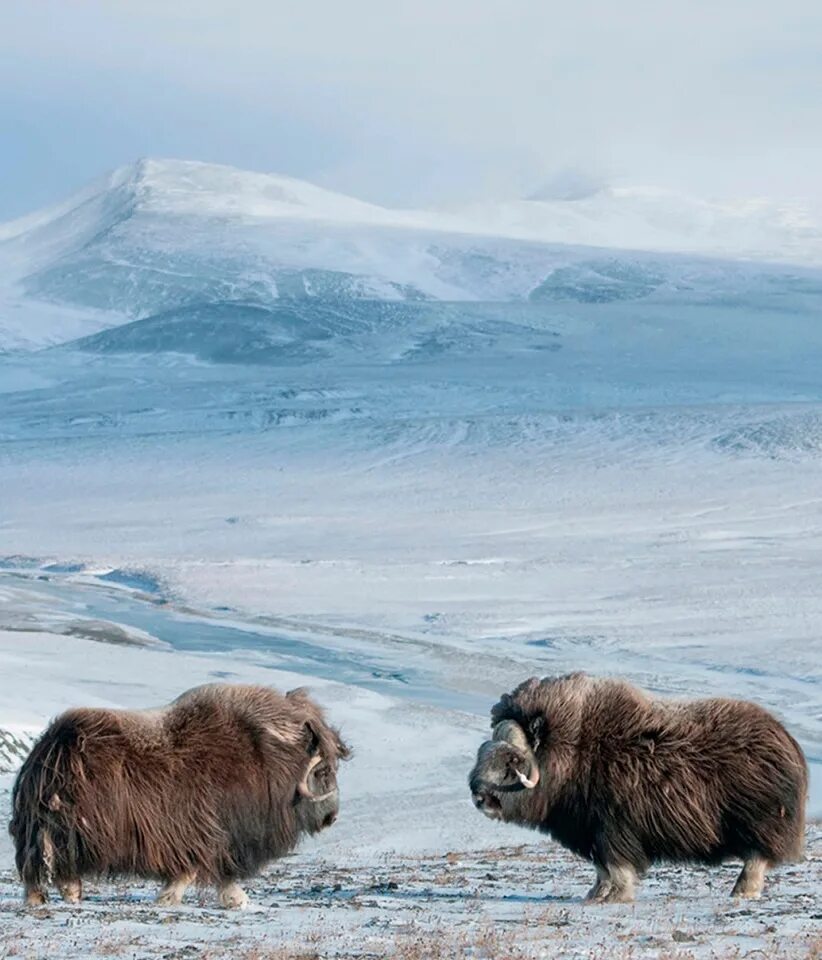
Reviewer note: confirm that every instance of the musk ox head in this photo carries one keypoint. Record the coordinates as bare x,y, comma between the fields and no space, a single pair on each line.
317,797
506,766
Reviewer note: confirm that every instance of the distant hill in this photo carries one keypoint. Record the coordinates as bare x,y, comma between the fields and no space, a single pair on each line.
163,236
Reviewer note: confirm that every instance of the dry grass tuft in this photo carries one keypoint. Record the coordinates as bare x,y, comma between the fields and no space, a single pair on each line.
111,947
483,943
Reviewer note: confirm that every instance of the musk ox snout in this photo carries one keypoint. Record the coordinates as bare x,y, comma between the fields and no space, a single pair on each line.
317,815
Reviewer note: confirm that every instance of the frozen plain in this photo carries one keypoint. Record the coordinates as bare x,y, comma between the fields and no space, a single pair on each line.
411,505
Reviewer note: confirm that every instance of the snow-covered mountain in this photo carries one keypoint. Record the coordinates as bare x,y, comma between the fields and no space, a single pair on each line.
649,218
164,235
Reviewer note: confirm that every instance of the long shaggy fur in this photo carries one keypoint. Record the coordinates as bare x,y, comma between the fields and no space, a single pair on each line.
205,786
630,780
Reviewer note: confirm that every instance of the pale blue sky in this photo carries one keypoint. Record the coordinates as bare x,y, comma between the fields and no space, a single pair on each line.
417,102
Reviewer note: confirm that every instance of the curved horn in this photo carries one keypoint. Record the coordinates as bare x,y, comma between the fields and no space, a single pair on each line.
529,784
302,786
511,732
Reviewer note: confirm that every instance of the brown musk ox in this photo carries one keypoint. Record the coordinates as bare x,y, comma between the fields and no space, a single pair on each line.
625,780
205,790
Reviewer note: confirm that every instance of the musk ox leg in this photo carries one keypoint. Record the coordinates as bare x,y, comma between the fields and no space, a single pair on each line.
232,896
71,890
601,888
752,879
173,892
34,874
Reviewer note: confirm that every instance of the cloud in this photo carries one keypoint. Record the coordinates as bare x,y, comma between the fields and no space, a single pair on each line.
414,102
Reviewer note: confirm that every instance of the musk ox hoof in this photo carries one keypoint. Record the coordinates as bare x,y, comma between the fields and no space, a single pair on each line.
614,895
34,897
173,892
598,893
233,897
601,888
594,898
614,885
746,891
168,898
610,895
71,891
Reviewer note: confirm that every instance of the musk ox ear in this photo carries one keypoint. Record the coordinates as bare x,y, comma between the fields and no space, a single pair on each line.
311,739
315,740
536,731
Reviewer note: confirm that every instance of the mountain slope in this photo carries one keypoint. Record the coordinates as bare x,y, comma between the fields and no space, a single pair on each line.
160,236
644,218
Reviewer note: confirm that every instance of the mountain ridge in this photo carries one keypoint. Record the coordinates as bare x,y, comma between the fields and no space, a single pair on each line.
188,187
160,235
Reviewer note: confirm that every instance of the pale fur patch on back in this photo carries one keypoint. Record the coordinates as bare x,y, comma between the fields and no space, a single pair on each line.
290,733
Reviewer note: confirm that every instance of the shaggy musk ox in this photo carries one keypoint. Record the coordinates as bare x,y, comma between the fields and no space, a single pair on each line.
206,790
625,780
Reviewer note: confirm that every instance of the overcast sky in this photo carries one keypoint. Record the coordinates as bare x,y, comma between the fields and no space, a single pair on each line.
416,102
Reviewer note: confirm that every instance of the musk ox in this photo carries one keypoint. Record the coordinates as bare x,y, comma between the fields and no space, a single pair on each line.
625,780
206,790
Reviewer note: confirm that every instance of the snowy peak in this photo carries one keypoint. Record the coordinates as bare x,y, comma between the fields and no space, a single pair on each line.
191,188
627,218
184,187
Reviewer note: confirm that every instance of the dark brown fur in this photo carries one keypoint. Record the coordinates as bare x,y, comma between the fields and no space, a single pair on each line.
626,780
204,788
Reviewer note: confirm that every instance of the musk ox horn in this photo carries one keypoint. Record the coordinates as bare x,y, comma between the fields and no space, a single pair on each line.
511,732
303,788
528,784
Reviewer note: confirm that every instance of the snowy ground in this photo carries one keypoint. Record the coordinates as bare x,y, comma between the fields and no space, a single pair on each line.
515,901
410,869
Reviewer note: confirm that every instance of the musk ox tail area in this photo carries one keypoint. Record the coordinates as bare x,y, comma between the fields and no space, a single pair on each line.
48,846
796,789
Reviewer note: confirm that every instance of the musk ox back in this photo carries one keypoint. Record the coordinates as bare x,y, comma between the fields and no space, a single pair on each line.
625,780
206,790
